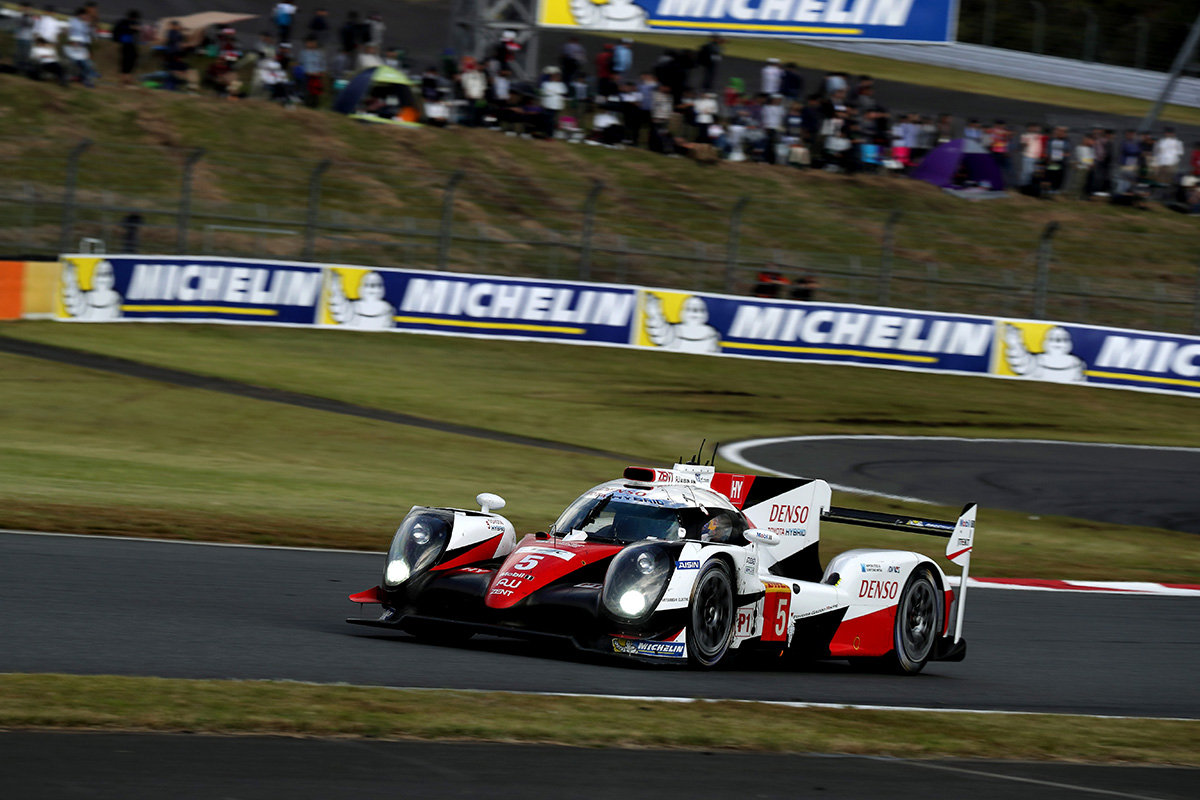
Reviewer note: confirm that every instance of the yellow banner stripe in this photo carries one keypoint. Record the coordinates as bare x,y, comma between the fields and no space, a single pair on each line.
827,351
749,26
495,326
250,312
1091,373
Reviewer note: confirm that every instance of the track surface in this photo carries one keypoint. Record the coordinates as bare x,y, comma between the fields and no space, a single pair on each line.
139,766
1110,483
90,605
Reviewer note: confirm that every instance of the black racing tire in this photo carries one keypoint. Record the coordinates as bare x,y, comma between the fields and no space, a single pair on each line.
710,616
919,618
438,634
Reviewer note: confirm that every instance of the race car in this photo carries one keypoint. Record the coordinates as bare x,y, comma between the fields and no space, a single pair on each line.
680,565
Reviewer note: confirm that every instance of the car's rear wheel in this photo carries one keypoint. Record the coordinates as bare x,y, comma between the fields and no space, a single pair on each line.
918,622
710,621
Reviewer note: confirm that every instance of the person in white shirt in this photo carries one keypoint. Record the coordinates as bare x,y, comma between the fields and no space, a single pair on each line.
45,61
1168,152
772,122
553,97
49,27
78,47
23,37
705,109
369,57
772,76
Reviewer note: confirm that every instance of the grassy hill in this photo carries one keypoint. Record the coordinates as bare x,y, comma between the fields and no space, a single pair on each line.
519,208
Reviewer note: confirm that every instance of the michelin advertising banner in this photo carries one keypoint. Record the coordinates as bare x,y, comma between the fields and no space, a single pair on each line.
860,20
243,291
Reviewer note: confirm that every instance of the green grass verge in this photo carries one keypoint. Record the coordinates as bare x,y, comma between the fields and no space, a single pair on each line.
85,451
927,75
239,707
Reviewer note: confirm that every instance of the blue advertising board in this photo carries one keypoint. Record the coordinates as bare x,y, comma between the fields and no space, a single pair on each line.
817,332
110,288
244,291
860,20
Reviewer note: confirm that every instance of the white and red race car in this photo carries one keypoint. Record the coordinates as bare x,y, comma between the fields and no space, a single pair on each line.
685,564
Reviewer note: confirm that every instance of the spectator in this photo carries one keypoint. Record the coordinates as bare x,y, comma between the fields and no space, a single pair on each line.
771,77
127,33
1105,158
1057,159
501,95
368,57
804,287
318,27
376,31
350,34
23,37
708,58
972,131
1083,173
272,78
283,15
45,62
998,136
1032,150
312,65
474,91
553,96
661,109
1168,154
622,58
1128,165
49,27
772,122
572,59
1194,160
606,82
174,43
705,109
78,48
791,83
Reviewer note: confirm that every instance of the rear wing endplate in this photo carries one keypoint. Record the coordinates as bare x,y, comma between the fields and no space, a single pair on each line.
960,533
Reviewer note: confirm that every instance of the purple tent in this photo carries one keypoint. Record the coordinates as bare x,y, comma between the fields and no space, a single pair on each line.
955,158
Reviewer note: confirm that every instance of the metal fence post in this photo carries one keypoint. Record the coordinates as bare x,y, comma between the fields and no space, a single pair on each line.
1045,252
885,257
184,217
735,230
68,215
314,206
589,223
447,218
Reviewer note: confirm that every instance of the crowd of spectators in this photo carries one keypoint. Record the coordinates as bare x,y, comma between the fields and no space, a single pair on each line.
680,105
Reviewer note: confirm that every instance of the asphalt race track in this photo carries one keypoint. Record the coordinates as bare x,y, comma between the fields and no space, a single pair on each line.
91,605
145,767
1126,485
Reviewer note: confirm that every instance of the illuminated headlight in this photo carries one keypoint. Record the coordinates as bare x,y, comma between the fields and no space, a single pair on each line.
636,580
633,603
418,544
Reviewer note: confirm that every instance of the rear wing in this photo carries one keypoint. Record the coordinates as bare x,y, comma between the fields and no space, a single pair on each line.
960,533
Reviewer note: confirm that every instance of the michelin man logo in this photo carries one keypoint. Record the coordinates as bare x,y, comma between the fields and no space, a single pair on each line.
614,15
692,334
1055,362
370,311
100,303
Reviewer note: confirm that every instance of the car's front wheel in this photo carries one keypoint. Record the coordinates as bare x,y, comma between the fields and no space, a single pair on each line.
710,622
918,622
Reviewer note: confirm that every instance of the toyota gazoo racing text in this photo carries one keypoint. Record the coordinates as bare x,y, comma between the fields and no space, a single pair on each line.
686,564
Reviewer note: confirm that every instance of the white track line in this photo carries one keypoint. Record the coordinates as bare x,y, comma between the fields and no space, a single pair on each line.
118,538
1017,778
779,703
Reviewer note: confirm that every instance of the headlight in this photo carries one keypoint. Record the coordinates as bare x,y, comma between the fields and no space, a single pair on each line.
636,580
419,542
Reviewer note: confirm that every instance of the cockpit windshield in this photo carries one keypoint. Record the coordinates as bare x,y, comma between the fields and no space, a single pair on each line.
624,519
608,517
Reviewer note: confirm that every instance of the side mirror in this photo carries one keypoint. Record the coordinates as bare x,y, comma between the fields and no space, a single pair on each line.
762,537
489,502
